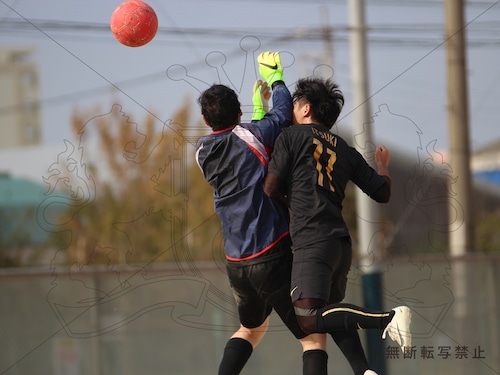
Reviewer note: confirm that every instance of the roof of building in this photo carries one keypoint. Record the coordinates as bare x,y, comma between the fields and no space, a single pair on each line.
493,147
15,191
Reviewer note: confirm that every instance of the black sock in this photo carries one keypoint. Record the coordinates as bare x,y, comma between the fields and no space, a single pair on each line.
350,345
346,316
314,362
236,354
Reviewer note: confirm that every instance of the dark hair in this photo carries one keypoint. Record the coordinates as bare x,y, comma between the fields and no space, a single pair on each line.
220,106
325,98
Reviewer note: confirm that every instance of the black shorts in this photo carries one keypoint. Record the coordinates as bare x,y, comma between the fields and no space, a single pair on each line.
258,287
320,270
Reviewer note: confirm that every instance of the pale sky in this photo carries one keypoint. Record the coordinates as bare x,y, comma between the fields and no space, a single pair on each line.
86,68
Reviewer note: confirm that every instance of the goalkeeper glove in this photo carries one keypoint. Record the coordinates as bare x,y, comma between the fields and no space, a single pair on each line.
270,67
260,99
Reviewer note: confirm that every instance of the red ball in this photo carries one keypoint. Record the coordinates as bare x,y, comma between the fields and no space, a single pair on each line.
134,23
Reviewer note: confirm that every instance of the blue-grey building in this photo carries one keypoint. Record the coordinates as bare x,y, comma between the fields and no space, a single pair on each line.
486,163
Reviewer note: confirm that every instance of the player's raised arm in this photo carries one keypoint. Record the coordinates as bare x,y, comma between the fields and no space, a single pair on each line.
269,123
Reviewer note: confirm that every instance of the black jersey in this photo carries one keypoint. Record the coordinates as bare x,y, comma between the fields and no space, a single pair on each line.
315,166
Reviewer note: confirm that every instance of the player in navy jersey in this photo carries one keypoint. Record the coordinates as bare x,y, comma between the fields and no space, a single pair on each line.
234,159
310,168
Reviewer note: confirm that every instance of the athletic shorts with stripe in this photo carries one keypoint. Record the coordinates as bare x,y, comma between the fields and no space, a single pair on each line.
262,284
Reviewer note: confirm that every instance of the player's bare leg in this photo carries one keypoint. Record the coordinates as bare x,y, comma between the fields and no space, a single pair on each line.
240,347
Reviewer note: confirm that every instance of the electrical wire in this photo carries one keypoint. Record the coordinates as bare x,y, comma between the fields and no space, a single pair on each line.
411,35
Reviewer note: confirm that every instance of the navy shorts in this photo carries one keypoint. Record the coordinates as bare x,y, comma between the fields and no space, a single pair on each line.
259,287
320,270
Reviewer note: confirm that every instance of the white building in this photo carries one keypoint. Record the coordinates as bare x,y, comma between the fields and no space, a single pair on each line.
19,98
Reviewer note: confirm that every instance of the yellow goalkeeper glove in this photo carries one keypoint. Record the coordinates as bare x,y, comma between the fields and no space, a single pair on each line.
270,67
260,99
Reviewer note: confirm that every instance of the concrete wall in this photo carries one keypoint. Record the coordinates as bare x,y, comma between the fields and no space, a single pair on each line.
175,319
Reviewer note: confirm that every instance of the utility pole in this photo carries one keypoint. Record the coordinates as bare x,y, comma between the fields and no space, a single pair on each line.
327,37
460,213
461,231
368,213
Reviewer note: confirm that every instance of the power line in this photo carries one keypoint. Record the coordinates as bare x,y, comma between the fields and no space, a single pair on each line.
393,35
483,34
14,25
392,3
306,35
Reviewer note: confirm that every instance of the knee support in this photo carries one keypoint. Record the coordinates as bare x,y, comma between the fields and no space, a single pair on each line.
306,319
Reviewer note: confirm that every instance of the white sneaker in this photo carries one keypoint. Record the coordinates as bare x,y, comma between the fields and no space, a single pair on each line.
370,372
399,327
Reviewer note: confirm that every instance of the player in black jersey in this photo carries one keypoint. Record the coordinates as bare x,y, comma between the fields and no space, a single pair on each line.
310,168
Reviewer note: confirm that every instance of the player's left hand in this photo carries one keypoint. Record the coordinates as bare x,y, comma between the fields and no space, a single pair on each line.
260,99
382,156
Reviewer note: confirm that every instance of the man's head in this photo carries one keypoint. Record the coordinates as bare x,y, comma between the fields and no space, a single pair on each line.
220,107
317,101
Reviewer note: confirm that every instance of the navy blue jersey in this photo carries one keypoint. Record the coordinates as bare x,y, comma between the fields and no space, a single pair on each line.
315,166
234,161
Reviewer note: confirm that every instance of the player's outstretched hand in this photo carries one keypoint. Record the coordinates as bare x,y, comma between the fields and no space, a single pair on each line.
270,67
260,99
